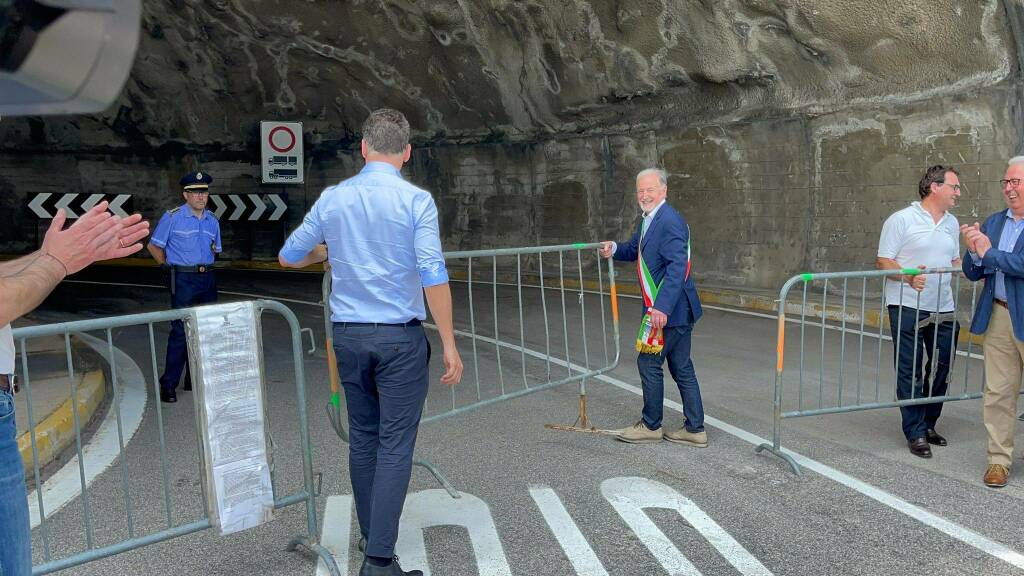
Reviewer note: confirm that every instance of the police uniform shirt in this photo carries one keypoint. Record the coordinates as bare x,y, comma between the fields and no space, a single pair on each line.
187,239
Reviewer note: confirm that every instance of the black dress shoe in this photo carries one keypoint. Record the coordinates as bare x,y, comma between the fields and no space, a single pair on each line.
919,447
934,437
188,385
168,397
392,569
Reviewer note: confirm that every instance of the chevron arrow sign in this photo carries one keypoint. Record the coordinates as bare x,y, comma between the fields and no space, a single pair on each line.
248,207
45,204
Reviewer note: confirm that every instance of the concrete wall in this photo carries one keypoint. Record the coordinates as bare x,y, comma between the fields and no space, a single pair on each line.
765,199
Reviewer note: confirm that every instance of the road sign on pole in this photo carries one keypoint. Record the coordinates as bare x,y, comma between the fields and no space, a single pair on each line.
281,152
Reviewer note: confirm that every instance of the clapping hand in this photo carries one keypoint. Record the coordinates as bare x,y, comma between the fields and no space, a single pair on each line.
976,240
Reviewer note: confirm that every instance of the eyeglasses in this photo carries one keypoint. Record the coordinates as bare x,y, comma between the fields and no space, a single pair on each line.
197,191
955,187
1011,181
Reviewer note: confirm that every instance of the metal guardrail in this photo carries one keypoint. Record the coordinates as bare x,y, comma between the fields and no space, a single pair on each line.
843,385
137,536
503,329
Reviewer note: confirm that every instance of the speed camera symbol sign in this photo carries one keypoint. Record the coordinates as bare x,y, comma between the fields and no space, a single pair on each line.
281,152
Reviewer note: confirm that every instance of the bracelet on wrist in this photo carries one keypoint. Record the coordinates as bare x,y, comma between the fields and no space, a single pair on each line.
59,261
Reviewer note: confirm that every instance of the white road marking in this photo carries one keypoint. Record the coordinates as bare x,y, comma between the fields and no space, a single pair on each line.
422,510
335,534
630,496
568,534
101,451
965,535
437,508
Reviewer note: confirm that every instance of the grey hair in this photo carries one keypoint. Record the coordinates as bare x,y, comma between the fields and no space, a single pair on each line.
662,175
1016,160
386,131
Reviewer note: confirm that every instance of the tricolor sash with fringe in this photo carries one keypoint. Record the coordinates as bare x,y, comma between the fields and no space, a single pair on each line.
650,340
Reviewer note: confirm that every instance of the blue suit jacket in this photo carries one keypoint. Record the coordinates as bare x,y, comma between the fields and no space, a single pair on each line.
665,253
1011,264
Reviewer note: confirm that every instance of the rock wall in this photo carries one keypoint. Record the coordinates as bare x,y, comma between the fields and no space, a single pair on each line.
790,128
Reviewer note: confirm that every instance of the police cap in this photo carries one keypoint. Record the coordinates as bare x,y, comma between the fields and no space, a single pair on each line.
196,181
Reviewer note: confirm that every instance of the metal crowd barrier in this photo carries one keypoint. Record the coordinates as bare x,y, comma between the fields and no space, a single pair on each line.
132,491
832,312
505,326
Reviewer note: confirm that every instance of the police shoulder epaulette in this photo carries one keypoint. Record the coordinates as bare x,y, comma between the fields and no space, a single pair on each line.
212,214
174,210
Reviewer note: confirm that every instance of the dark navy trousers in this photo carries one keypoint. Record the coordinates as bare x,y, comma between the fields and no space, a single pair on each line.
913,372
677,353
190,289
384,372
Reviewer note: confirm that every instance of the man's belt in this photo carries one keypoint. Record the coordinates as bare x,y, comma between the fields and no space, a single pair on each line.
200,269
5,383
413,322
1002,303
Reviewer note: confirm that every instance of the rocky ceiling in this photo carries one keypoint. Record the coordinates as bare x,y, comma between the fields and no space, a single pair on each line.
474,70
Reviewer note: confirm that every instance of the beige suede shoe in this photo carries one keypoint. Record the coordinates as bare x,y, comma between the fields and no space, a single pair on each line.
639,433
681,436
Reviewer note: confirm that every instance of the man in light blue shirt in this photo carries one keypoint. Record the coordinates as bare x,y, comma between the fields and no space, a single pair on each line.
384,249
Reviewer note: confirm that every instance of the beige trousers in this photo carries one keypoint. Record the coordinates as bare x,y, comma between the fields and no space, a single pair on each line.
1004,358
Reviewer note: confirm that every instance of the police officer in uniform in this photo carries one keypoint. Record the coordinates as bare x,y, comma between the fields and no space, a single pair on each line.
185,243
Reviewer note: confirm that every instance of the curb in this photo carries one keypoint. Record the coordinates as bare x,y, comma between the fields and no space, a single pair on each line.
57,431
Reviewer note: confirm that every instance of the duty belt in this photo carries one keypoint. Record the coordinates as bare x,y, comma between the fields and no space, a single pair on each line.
202,268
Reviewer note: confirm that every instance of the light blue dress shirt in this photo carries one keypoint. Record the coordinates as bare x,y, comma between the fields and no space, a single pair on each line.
1007,240
382,243
187,240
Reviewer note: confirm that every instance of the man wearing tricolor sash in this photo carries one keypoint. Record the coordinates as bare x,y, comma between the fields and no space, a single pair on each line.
661,249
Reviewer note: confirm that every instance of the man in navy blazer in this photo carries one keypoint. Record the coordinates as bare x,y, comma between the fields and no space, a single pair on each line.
995,252
663,239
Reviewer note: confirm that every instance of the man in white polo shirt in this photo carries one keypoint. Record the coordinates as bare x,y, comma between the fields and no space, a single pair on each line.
922,235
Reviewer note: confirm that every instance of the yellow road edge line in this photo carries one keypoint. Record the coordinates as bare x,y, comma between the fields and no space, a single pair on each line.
57,431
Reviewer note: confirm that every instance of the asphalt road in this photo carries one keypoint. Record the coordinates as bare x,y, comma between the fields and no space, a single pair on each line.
543,502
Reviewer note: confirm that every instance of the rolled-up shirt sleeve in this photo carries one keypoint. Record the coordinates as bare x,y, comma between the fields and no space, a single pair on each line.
306,237
427,242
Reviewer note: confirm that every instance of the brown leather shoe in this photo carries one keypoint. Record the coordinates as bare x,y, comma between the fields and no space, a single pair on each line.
919,447
996,476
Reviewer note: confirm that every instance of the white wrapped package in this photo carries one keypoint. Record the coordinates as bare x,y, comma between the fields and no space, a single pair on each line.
227,379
